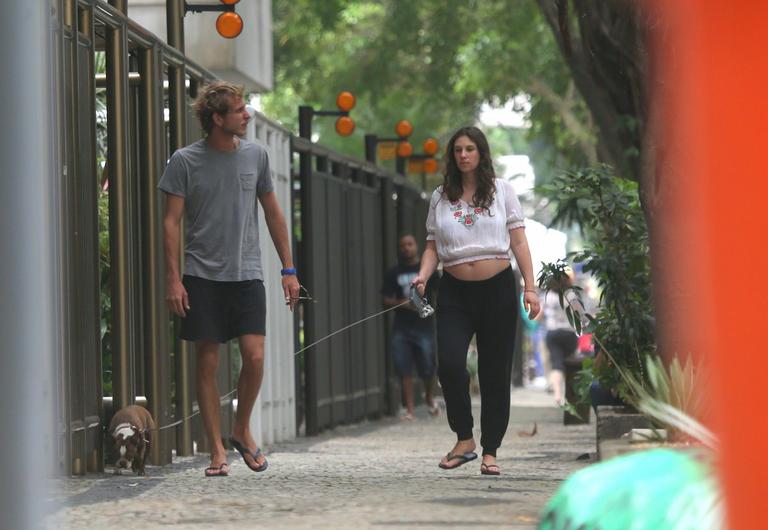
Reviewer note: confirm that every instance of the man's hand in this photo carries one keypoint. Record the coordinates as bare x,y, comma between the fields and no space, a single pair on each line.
291,289
177,298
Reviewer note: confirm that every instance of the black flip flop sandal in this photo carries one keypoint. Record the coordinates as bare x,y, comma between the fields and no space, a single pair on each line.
485,469
463,459
214,471
244,451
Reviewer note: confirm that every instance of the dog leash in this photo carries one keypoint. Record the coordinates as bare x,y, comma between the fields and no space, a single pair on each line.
351,326
224,399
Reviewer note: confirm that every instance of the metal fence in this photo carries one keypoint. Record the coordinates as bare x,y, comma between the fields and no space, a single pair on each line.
350,215
274,416
146,80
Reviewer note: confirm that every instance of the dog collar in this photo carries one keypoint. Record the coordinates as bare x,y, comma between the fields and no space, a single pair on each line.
126,429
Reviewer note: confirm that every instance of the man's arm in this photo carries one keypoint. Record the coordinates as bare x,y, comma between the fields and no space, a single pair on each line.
176,295
278,231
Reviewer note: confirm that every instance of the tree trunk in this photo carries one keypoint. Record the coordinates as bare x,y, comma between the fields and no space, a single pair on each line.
604,44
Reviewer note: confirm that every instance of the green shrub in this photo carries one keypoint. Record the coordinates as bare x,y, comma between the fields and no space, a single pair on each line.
617,254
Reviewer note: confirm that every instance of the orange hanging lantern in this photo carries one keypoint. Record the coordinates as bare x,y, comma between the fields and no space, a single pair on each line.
345,101
430,147
430,165
345,126
229,25
403,128
229,2
404,149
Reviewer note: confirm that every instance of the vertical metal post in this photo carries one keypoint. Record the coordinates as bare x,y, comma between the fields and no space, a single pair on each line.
117,162
120,5
86,21
305,271
178,119
391,393
400,165
155,314
86,173
305,121
28,284
371,141
72,366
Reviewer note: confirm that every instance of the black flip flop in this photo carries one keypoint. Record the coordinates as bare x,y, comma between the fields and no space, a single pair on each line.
463,459
214,471
485,469
244,451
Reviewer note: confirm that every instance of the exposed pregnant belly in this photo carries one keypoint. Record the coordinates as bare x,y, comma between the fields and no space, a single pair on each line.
477,270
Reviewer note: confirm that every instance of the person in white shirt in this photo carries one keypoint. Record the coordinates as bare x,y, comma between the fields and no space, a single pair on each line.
474,220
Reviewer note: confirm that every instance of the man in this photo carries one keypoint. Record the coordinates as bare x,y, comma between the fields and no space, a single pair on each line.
413,338
214,183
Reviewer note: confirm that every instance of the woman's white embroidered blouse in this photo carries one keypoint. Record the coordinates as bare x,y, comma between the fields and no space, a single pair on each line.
464,233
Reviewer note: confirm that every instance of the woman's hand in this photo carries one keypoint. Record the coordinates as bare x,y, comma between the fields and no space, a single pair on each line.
420,283
531,303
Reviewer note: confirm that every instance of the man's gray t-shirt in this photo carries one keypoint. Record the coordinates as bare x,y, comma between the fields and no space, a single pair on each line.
220,191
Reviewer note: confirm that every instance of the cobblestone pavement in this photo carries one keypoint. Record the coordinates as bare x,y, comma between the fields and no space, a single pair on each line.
380,474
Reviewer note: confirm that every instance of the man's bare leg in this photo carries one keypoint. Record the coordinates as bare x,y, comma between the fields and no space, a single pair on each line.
208,398
407,382
248,386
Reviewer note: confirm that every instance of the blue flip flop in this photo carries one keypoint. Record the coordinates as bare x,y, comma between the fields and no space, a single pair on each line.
463,459
244,451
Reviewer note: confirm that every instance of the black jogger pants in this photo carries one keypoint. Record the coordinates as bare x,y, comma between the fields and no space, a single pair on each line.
487,308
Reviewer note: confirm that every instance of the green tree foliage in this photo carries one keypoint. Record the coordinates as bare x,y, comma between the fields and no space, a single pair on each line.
431,62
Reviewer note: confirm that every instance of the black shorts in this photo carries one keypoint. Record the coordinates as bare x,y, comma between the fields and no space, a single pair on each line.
561,343
220,311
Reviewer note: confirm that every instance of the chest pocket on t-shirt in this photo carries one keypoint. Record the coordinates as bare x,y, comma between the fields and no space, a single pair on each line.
248,181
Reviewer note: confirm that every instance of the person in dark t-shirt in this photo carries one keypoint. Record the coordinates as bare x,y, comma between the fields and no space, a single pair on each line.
413,338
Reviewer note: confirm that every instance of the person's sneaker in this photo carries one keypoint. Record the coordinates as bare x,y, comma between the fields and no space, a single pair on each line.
407,417
434,410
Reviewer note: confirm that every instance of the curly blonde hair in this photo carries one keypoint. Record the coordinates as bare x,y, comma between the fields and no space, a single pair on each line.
214,98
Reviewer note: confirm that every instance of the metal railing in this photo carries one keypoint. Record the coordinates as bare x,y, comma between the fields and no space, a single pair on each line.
349,225
351,213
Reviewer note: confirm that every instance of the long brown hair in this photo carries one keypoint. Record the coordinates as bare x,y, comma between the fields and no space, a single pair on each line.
486,187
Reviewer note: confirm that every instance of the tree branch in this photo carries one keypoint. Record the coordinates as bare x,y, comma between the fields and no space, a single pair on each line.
584,134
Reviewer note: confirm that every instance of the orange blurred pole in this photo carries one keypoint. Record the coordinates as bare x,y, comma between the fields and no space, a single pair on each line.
709,125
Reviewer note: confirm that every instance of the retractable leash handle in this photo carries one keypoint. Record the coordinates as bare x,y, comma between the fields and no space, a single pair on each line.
421,304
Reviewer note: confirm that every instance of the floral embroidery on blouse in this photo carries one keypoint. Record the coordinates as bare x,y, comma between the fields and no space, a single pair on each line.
467,219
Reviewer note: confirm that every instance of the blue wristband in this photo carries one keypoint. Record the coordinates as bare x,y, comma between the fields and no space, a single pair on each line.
288,272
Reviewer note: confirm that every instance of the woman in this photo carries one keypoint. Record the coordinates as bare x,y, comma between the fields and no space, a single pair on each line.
474,219
561,339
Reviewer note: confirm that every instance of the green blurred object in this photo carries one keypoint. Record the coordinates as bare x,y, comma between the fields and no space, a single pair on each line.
530,325
658,489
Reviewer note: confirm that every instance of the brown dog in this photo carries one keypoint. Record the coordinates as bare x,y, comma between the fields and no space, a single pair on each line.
131,429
